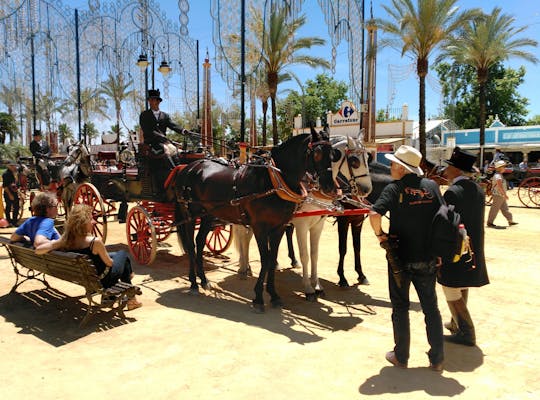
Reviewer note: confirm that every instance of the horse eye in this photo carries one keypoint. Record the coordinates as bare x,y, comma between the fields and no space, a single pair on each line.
354,161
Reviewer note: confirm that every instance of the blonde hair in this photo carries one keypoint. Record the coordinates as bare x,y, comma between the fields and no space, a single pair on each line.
76,225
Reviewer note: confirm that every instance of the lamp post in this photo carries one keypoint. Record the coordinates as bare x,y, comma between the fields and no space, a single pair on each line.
143,63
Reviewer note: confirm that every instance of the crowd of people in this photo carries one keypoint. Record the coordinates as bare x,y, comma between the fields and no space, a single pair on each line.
411,200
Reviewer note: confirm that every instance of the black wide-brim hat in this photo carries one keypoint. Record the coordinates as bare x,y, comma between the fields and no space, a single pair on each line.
154,94
37,132
462,160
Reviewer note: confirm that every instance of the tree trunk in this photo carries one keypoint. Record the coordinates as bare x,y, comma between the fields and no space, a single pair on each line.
265,112
482,79
275,138
422,71
272,80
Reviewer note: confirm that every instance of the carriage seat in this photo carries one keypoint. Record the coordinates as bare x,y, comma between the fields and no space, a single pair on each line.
106,155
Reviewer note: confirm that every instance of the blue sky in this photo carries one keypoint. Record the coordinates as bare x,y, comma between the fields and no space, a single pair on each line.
400,86
405,85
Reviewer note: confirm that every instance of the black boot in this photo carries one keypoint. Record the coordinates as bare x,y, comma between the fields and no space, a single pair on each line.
465,334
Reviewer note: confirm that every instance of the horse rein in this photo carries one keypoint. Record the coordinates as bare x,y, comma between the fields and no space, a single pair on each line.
351,182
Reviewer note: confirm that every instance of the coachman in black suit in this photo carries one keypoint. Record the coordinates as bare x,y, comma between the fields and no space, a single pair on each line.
154,124
41,151
470,270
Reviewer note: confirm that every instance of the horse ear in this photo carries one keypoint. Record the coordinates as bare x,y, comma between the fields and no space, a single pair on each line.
351,143
335,155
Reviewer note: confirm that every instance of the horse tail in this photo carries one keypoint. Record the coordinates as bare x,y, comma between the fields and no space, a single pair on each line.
181,216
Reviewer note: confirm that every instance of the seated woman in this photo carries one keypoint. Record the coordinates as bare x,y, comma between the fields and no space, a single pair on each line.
39,229
77,237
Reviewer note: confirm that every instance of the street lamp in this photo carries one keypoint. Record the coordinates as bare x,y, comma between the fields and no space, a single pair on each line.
143,63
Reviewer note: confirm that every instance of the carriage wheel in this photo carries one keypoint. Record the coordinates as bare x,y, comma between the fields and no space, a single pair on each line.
141,235
87,194
526,187
534,192
219,239
529,192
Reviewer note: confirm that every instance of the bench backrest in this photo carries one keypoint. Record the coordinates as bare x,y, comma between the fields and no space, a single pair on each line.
68,266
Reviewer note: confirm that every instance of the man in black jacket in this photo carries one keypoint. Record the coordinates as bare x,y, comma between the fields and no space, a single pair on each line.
412,201
470,270
41,151
154,124
11,193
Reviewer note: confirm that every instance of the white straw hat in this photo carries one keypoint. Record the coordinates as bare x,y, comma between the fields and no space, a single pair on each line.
408,157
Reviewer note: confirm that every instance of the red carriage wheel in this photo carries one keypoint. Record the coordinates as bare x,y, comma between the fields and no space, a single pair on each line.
534,191
526,188
87,194
141,235
219,239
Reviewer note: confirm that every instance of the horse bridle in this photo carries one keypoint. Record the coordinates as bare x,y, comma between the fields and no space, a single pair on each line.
349,154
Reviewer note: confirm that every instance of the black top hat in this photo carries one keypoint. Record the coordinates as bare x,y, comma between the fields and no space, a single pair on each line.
462,160
37,132
154,94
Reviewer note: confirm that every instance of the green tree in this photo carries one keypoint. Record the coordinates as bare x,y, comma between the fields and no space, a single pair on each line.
482,43
48,106
8,126
281,49
535,120
321,94
460,94
64,133
117,89
92,104
418,31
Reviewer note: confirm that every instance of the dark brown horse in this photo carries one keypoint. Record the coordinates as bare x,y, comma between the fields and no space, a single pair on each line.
262,196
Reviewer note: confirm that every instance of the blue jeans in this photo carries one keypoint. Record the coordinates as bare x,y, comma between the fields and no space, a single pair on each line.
423,277
120,271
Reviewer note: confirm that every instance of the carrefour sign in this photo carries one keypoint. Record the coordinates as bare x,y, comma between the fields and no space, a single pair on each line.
346,115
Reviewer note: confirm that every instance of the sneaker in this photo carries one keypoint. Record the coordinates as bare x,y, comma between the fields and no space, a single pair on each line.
391,358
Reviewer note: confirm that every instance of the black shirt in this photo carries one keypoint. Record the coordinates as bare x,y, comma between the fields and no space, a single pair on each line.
412,202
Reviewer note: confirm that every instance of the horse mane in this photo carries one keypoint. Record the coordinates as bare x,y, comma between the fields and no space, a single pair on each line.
380,177
284,156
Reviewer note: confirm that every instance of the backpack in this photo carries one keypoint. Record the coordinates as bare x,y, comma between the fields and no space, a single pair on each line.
448,235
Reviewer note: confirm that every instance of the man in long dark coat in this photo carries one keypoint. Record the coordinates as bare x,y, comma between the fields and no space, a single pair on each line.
470,270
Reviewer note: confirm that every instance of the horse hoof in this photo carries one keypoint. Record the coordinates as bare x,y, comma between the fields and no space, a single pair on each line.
257,308
277,303
363,281
295,264
311,297
207,286
242,275
194,291
343,283
320,293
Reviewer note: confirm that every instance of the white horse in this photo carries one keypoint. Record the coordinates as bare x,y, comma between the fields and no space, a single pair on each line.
349,165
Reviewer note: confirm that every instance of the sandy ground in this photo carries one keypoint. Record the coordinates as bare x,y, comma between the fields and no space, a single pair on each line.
180,346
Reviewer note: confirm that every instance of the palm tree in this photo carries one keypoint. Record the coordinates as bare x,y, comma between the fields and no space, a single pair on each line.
47,106
118,90
482,43
92,103
419,31
280,50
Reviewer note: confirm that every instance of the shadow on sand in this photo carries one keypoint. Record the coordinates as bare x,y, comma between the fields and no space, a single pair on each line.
54,317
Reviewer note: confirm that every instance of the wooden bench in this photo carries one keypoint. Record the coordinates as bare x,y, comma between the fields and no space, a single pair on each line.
71,267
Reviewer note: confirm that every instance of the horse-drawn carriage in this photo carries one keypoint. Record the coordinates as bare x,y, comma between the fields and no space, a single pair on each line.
115,179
